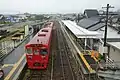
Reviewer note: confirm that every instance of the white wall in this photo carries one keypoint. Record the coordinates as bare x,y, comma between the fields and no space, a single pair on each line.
114,54
111,33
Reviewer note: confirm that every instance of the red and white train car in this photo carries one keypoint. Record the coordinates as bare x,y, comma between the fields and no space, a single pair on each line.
38,49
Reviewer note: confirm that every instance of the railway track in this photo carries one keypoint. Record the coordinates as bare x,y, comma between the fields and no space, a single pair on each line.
34,75
67,71
74,60
69,68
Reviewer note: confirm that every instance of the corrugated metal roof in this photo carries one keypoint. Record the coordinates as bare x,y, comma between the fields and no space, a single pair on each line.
80,32
96,27
85,23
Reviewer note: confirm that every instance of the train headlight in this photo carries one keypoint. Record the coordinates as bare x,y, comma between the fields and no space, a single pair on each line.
43,57
29,57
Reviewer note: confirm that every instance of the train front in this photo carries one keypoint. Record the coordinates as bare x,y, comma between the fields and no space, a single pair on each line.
37,56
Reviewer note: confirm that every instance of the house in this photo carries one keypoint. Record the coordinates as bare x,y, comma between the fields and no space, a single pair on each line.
2,18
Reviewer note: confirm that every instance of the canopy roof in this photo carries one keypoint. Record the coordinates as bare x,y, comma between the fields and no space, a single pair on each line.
80,32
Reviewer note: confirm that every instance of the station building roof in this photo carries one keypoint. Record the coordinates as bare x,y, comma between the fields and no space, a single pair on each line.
88,22
80,32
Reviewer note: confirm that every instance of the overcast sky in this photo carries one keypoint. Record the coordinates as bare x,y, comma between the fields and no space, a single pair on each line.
53,6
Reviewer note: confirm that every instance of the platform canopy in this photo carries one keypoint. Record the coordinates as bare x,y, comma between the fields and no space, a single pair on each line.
80,32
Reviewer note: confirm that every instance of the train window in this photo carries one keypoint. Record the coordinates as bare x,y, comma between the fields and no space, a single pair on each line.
44,30
29,50
43,51
41,35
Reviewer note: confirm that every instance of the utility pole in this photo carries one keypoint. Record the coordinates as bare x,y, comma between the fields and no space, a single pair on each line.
106,25
77,18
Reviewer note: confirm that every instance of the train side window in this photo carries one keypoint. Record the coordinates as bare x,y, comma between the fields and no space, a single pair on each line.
44,30
29,50
43,51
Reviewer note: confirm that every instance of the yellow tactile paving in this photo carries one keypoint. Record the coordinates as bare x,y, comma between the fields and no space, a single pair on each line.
86,63
6,65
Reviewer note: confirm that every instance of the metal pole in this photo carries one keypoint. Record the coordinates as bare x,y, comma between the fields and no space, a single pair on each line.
106,24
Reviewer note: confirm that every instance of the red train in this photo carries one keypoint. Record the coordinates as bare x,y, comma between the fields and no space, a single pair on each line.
38,49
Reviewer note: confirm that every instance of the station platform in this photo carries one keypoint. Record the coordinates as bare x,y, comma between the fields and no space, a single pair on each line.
15,61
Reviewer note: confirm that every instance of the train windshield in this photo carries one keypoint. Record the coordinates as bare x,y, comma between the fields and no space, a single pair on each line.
43,51
29,50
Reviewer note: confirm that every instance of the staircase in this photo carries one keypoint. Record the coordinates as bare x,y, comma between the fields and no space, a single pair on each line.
111,72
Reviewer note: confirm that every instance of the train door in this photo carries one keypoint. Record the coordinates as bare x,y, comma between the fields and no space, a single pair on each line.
36,53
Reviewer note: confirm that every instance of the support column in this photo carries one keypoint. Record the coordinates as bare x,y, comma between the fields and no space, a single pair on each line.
91,43
85,43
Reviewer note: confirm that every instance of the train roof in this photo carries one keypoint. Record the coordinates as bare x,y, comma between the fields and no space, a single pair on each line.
42,37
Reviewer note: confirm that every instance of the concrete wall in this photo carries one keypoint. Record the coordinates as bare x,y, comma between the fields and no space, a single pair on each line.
114,54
